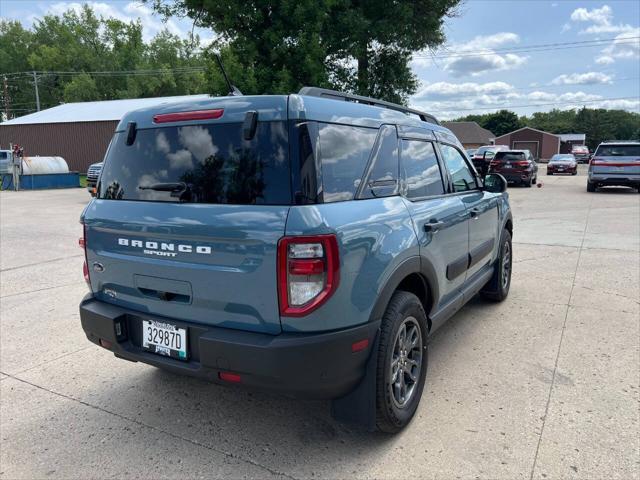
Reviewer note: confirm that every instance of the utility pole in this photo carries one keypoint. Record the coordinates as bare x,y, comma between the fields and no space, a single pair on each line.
35,84
7,101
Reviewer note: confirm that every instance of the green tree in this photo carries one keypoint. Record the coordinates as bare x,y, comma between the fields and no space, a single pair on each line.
82,88
362,46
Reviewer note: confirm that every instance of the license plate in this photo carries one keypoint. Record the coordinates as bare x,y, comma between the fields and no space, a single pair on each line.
164,339
561,169
507,165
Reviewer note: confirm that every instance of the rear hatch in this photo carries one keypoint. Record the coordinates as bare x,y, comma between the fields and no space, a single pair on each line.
617,160
188,216
509,162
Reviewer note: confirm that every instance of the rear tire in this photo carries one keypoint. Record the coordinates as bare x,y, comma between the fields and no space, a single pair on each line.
574,173
497,289
591,187
402,362
549,173
527,183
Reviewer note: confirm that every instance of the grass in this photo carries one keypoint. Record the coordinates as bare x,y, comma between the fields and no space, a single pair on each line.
83,180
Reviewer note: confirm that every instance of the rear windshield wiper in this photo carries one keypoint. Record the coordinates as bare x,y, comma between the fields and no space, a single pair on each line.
179,190
165,187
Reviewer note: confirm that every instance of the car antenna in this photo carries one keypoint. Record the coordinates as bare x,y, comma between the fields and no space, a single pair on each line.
233,90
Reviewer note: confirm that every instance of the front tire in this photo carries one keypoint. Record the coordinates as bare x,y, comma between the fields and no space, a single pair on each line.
591,187
402,362
497,289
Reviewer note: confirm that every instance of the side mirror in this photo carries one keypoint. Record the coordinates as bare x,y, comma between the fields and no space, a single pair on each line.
495,183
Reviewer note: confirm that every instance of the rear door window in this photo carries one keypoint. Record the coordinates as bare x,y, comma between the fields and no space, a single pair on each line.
462,176
200,164
344,153
420,169
382,178
618,151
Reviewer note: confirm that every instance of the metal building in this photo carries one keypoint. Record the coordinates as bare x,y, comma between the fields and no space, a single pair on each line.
78,132
542,145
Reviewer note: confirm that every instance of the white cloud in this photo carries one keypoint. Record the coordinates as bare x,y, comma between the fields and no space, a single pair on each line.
587,78
625,46
478,56
446,89
600,16
600,20
450,100
604,60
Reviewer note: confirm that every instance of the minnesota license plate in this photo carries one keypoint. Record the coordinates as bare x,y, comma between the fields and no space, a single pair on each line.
164,339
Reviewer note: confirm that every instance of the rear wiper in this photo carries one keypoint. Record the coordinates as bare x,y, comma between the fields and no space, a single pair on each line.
165,187
179,190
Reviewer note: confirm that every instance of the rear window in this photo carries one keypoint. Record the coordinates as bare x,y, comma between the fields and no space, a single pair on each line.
618,151
200,164
4,155
344,152
510,157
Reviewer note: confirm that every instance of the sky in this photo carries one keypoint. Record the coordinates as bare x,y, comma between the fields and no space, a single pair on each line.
524,55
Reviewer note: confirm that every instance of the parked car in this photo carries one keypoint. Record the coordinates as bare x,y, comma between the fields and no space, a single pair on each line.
294,243
483,156
92,177
615,163
517,166
581,153
562,163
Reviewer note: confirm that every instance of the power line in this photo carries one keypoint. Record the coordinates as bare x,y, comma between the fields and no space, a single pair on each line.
154,71
574,102
532,48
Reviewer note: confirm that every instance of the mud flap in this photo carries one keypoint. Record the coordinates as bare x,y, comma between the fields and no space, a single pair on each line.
359,405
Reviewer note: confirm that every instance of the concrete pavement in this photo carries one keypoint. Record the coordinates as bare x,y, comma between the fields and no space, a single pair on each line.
544,385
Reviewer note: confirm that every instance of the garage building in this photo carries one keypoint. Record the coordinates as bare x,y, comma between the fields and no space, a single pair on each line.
78,132
543,145
470,134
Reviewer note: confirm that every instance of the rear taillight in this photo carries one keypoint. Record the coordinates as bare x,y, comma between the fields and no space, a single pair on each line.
521,163
82,243
308,273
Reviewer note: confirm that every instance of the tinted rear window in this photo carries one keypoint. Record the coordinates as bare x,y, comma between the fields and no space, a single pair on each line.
509,157
4,155
344,152
200,164
618,151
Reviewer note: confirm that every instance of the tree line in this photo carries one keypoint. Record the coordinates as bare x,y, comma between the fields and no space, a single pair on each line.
598,124
267,48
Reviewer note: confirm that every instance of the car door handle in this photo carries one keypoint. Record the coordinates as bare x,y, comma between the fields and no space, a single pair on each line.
475,213
433,226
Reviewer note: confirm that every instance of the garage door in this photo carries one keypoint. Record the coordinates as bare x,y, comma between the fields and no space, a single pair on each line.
531,146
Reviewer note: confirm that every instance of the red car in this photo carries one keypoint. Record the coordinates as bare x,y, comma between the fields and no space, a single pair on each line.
562,163
517,166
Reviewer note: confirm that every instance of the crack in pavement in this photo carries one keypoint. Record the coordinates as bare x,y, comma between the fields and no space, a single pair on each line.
555,365
40,263
151,427
42,289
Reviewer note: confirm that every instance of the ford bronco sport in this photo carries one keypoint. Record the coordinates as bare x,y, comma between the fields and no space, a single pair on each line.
308,244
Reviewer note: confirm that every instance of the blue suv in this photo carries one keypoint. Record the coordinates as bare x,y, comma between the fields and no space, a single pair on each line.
308,244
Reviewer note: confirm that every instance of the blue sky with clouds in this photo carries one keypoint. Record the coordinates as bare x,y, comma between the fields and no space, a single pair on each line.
493,58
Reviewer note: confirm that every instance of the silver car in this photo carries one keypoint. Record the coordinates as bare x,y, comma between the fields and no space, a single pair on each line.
615,163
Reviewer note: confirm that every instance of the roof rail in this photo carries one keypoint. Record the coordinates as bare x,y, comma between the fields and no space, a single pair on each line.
350,97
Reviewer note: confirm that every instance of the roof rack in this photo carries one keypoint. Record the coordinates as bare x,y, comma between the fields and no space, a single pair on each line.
350,97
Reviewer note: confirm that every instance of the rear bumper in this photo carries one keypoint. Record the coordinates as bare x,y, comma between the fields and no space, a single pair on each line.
563,170
516,177
319,365
604,179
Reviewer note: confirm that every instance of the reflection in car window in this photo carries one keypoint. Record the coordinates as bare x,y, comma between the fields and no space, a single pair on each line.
421,170
200,164
462,176
344,152
383,172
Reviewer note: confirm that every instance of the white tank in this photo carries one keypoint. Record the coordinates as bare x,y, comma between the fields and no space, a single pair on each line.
39,165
